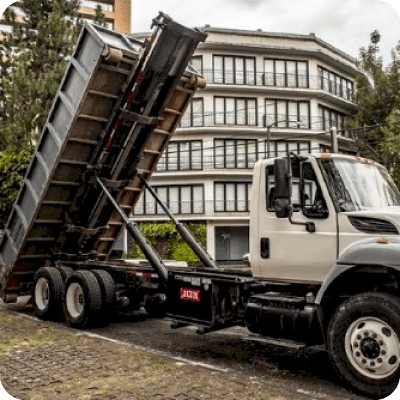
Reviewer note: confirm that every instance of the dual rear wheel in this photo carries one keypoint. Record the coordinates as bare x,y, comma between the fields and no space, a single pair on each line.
84,298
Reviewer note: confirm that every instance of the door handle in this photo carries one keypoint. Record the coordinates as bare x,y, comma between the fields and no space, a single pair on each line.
264,247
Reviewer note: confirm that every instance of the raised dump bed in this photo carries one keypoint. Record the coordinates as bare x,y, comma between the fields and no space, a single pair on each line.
119,103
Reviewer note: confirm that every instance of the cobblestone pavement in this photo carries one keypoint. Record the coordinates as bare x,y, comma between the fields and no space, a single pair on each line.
45,360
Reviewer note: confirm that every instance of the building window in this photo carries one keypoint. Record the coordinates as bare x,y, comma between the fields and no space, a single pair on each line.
280,148
232,196
95,4
185,199
286,73
194,115
335,84
330,118
235,111
234,70
234,153
182,156
6,28
197,63
287,113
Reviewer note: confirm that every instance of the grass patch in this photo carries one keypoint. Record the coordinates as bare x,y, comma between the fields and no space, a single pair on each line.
30,340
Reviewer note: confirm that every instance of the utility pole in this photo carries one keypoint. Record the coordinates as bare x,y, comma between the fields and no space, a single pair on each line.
334,140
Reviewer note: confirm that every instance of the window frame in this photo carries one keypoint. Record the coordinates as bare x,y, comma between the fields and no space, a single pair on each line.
232,77
224,118
227,207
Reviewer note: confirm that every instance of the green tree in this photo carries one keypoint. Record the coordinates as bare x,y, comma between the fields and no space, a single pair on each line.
378,100
166,236
12,168
33,59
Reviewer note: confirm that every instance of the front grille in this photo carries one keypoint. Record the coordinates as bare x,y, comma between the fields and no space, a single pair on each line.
373,225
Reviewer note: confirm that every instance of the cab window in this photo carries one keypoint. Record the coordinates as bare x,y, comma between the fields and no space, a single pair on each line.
295,200
306,192
313,203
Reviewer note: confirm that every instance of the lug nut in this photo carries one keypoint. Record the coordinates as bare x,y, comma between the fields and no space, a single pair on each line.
392,360
355,344
366,333
383,352
359,337
379,360
358,354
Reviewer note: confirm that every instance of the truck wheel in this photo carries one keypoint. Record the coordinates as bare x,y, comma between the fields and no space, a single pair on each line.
47,293
364,343
82,300
108,294
65,272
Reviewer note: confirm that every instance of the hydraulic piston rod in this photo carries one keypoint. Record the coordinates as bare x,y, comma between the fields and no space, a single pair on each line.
188,237
147,249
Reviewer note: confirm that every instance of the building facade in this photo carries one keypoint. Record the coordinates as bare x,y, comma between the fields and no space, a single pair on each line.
267,94
116,12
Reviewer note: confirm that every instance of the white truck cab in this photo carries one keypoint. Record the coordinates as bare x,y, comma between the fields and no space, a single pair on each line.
336,201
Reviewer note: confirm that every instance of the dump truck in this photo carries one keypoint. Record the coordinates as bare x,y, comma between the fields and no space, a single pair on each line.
324,228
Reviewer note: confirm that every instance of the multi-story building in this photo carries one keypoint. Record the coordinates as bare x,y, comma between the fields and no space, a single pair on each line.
267,94
116,12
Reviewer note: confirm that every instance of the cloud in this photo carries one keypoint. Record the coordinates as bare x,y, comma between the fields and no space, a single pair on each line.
346,24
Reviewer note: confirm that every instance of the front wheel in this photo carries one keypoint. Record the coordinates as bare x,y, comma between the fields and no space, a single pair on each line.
364,343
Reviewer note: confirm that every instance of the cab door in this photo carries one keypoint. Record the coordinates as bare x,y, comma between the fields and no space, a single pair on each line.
289,249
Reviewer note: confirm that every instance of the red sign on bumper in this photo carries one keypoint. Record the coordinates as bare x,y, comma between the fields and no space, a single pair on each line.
190,295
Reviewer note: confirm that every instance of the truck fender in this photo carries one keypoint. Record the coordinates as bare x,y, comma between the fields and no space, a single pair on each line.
373,252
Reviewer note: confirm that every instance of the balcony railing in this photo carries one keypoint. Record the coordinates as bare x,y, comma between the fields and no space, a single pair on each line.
206,208
279,80
210,119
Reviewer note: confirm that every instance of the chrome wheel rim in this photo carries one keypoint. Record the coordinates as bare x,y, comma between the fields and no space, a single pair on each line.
372,347
75,300
42,294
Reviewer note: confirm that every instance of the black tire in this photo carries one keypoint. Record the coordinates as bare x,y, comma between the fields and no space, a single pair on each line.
364,345
82,300
47,293
65,272
108,294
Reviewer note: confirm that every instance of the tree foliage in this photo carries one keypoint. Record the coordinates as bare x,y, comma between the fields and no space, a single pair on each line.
12,168
33,61
165,235
33,58
378,100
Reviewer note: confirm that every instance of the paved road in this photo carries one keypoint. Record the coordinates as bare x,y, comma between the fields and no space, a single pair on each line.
293,372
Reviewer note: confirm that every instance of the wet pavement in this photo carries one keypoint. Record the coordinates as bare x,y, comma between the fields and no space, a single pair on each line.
228,357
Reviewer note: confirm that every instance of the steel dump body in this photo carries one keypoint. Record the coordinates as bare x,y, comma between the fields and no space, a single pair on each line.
118,105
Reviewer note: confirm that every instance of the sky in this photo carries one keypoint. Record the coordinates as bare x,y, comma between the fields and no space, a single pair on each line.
345,24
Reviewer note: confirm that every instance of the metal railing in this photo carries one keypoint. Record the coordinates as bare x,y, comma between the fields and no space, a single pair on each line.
211,119
280,80
208,208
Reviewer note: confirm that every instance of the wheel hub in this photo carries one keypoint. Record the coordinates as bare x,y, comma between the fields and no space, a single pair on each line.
372,347
42,293
75,300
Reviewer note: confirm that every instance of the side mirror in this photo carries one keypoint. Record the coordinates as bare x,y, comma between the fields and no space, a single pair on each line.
283,189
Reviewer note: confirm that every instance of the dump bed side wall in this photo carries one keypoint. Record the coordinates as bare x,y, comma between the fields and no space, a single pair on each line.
85,110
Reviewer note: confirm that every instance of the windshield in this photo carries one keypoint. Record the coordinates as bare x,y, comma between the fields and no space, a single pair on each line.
359,186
